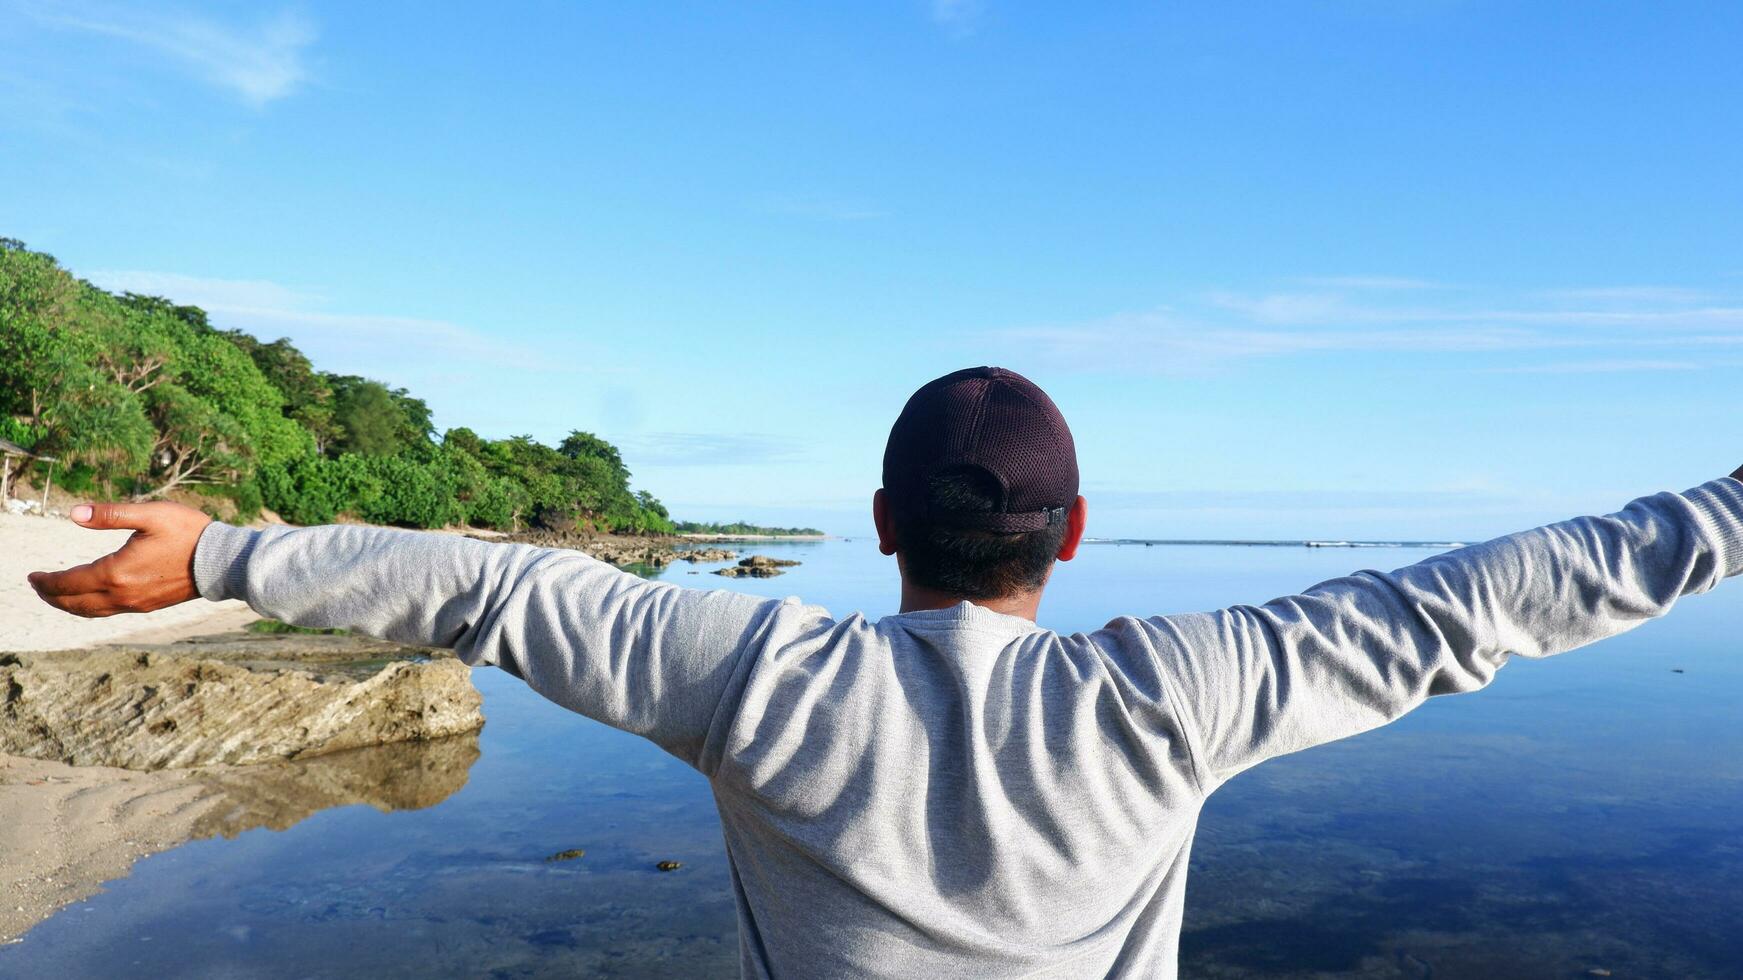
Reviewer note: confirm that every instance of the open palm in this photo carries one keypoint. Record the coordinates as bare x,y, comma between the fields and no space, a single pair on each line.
154,569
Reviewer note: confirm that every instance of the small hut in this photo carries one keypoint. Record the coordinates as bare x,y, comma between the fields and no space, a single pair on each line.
9,450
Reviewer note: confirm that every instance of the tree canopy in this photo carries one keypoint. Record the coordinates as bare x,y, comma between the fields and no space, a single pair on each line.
140,395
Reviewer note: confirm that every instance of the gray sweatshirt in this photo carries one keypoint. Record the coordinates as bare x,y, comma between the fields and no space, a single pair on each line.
960,793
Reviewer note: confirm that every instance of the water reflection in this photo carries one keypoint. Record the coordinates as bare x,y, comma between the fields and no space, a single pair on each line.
399,776
80,828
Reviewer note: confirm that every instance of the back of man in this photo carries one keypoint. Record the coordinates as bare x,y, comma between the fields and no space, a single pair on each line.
955,792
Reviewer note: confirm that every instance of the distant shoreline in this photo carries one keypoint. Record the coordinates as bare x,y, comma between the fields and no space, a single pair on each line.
753,537
1300,543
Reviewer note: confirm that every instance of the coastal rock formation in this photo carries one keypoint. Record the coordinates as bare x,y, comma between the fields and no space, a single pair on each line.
243,700
695,555
611,548
657,552
752,571
756,566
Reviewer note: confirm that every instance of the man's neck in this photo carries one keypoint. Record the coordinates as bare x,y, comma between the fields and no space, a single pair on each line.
918,597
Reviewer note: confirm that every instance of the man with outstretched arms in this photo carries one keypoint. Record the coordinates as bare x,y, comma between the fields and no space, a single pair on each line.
952,790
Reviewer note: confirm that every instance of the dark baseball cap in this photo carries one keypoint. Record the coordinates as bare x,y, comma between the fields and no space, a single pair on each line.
990,419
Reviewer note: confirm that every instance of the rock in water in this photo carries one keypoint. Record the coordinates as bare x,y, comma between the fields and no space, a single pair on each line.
695,555
764,561
754,571
241,702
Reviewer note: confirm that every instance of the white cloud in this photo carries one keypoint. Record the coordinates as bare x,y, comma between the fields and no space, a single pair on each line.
709,449
1377,283
1670,295
1167,343
390,346
1335,307
1636,327
1604,367
258,63
212,294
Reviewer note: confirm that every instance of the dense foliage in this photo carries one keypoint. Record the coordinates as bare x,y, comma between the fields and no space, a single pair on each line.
137,395
740,527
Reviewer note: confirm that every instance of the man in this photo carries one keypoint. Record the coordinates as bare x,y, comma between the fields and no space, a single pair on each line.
953,790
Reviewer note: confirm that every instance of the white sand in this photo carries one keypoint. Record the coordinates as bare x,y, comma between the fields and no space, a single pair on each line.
37,544
66,829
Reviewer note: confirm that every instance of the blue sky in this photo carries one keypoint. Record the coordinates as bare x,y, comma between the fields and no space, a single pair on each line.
1351,269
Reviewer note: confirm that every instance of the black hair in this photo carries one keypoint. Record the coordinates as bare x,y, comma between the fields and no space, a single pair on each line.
969,563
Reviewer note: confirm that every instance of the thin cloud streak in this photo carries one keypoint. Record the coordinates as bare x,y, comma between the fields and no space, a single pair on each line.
1336,308
1603,367
1226,326
1375,283
270,310
201,291
258,64
1630,294
1171,345
710,449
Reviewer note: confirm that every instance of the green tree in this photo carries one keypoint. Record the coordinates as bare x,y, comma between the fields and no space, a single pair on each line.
368,419
308,395
376,420
50,382
144,391
135,346
586,445
212,369
196,443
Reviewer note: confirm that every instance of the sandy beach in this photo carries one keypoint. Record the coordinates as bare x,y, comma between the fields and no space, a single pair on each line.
31,544
66,829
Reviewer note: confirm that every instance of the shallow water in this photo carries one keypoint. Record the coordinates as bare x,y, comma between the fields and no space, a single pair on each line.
1585,812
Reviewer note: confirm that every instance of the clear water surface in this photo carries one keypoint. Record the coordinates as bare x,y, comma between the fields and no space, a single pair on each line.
1583,813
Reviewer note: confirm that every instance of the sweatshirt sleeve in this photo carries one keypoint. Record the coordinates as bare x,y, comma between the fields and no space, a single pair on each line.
1351,654
647,657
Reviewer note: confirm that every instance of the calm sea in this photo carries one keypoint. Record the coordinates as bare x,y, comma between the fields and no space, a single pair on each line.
1584,813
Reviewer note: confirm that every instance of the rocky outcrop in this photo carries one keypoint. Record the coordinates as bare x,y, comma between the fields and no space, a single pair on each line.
612,548
695,555
756,566
236,700
619,549
748,571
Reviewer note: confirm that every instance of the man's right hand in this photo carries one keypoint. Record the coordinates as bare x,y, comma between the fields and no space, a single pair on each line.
154,569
